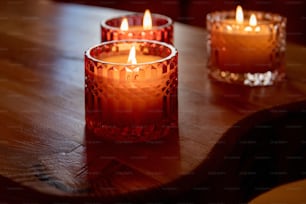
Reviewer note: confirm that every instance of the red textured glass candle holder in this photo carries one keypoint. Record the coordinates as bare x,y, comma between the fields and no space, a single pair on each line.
251,55
162,29
131,102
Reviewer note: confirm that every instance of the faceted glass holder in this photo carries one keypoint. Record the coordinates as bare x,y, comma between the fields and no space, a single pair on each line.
253,58
131,102
162,29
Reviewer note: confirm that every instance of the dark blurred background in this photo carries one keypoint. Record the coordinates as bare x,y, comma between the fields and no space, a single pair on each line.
193,12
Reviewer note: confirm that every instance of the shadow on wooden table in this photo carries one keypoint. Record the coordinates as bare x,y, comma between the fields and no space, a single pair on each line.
270,153
116,169
121,171
100,171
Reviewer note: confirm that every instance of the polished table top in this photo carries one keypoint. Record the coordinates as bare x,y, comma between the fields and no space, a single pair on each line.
45,153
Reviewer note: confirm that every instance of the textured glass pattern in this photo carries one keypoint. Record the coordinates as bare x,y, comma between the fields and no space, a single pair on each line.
162,29
132,103
254,58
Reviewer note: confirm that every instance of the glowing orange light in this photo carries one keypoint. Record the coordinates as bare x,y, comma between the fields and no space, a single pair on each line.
147,20
132,56
124,24
239,14
253,21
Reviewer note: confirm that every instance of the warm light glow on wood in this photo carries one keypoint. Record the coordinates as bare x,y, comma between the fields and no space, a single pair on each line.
239,14
132,56
147,20
253,21
124,24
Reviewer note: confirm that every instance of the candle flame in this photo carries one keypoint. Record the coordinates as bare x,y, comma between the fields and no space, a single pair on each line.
132,56
253,21
124,25
239,14
147,20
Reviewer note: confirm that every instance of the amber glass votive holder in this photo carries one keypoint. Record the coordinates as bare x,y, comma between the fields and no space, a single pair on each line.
162,29
131,102
243,54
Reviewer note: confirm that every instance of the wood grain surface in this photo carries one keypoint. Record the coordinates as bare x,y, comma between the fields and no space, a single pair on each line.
47,155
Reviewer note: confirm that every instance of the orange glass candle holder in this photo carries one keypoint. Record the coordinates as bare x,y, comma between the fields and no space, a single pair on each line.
131,102
249,52
161,30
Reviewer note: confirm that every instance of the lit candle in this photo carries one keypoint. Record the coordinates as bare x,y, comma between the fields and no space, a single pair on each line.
138,26
131,90
247,45
246,48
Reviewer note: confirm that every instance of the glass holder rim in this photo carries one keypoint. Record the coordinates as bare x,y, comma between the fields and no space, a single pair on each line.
104,24
173,50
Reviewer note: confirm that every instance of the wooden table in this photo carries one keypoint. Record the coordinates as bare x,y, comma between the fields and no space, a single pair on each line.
289,193
45,152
